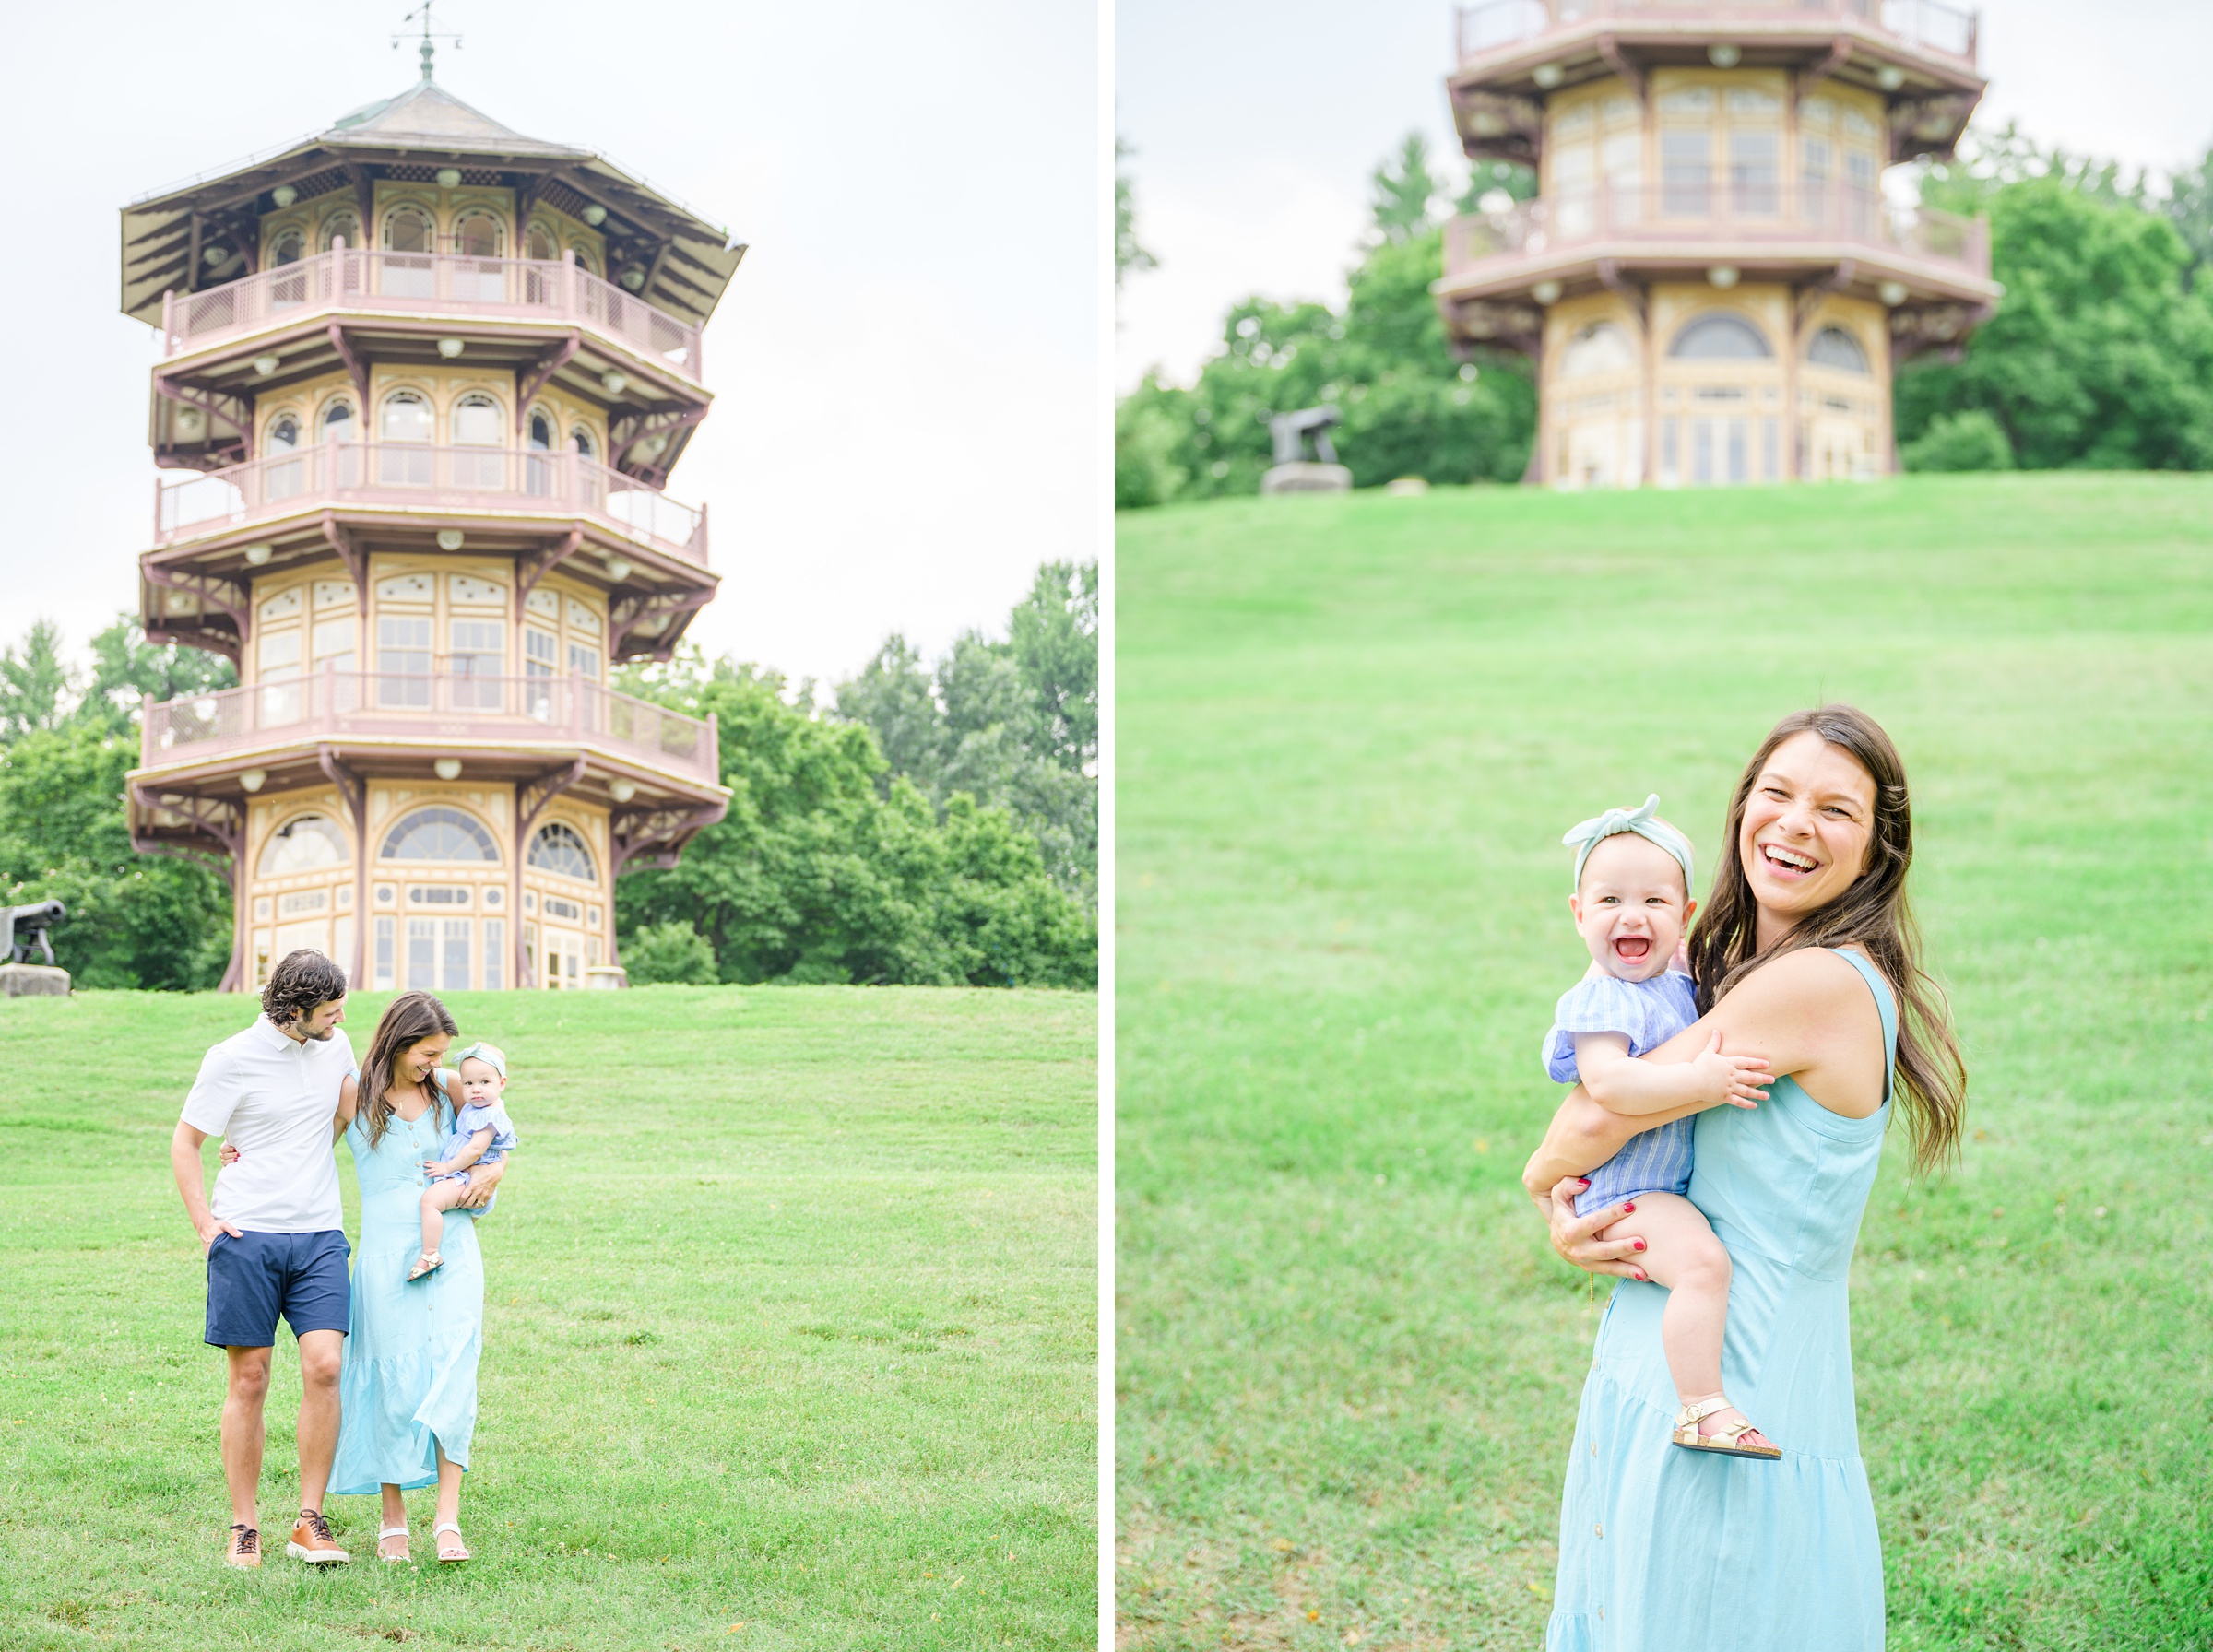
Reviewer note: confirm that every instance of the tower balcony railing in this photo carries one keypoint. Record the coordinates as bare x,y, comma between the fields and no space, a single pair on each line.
1742,215
416,475
427,283
436,708
1494,25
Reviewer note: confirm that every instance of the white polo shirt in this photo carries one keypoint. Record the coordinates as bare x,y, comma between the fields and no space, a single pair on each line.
274,1099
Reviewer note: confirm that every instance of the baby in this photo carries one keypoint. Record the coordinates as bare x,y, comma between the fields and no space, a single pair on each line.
1631,904
482,1135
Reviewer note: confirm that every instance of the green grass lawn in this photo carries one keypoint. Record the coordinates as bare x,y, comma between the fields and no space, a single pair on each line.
790,1335
1352,730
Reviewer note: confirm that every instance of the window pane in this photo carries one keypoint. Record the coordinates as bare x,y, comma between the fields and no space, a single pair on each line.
383,953
495,954
423,954
477,424
453,972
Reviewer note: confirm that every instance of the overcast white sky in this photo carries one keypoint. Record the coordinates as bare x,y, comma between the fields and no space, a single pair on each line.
1257,121
906,367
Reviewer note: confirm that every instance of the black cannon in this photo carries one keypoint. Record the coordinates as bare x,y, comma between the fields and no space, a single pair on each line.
1292,432
19,926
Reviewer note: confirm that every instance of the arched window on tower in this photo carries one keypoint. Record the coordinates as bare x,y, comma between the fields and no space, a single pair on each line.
541,286
1833,346
559,848
477,239
288,287
342,226
408,269
301,845
281,478
537,470
439,834
403,455
477,425
1719,335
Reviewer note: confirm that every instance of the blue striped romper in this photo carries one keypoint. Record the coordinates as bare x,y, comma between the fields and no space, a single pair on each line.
1648,1013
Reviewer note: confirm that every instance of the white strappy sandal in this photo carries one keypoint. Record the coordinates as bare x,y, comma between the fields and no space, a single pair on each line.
391,1560
1728,1441
450,1560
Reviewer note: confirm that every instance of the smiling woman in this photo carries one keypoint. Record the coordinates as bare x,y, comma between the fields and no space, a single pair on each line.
1804,959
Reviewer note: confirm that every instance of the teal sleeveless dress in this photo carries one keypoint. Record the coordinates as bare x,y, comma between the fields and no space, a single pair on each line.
1663,1549
407,1380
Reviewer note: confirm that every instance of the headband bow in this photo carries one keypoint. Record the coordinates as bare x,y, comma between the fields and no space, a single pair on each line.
1586,837
490,1055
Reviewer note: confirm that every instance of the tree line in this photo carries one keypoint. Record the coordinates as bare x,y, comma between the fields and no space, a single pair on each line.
927,825
2099,356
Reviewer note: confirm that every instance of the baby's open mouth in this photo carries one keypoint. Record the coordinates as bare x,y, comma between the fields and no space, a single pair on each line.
1633,949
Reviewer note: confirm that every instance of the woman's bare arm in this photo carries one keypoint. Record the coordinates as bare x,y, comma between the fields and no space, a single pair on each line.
1808,1014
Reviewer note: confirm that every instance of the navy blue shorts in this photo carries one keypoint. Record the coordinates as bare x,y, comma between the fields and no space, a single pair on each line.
255,1277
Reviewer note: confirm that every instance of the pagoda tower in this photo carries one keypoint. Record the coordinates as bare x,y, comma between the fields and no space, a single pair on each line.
1711,281
428,378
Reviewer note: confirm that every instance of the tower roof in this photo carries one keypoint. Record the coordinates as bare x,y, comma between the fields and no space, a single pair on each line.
689,259
427,116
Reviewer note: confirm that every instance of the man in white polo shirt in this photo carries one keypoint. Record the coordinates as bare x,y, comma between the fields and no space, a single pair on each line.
274,1238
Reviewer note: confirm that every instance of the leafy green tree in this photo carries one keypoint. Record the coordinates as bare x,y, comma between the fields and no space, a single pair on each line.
2189,208
1014,724
816,875
1129,253
669,954
134,921
37,688
2097,357
1401,191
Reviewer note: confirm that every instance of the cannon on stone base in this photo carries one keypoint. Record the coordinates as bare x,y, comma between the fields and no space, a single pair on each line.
19,928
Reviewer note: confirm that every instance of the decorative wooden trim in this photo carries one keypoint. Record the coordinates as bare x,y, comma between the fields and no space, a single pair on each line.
225,822
530,569
355,371
623,616
209,587
656,836
529,381
1609,50
1627,291
356,564
353,792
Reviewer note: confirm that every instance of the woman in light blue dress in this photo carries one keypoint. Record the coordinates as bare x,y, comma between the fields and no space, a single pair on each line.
407,1385
1803,956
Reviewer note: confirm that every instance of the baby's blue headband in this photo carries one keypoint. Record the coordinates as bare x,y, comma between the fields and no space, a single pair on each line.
1590,834
489,1053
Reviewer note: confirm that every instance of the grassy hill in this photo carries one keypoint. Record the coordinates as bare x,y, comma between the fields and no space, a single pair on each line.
790,1335
1351,732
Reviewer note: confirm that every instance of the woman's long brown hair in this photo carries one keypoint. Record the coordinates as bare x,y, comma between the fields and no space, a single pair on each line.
410,1018
1873,916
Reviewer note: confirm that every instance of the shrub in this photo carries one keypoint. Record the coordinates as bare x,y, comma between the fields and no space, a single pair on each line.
1969,440
669,954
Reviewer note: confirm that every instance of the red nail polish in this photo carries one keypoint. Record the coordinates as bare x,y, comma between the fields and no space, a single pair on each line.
1626,1209
1639,1244
1640,1276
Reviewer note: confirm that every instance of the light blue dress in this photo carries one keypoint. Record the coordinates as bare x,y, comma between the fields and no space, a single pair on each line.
409,1379
1664,1550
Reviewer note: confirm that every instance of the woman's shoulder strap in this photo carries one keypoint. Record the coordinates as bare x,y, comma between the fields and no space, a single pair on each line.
1886,1005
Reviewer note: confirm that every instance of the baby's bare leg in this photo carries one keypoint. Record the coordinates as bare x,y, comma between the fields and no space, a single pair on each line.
437,1199
1682,1253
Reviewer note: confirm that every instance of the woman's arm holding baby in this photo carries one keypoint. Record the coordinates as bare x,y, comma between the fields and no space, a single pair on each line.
474,1148
482,1179
1802,1015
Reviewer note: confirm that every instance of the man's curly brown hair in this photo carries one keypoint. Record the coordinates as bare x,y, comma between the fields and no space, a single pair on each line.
297,986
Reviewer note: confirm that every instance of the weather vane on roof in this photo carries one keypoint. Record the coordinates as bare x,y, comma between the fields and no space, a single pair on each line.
423,11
